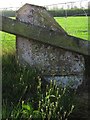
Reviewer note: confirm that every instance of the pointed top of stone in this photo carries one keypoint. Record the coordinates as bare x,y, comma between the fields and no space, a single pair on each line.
39,16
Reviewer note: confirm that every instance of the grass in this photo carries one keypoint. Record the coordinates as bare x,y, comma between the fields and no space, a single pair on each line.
16,80
8,42
76,26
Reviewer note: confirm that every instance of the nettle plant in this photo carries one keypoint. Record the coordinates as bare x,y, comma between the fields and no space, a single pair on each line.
56,102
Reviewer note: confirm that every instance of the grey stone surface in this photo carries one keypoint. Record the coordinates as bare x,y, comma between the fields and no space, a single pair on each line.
71,81
47,59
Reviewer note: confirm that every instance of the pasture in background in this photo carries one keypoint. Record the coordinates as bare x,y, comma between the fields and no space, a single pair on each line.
75,26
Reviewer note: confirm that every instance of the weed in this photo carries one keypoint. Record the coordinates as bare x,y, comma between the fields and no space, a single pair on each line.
55,103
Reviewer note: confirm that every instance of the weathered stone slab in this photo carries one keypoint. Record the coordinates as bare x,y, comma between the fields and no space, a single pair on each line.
49,60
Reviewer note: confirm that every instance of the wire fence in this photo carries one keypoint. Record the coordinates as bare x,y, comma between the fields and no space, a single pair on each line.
69,5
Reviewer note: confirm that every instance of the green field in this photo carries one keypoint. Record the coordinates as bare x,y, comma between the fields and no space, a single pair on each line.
8,42
76,26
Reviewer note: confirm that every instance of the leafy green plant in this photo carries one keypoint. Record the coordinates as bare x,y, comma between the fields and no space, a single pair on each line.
57,103
22,110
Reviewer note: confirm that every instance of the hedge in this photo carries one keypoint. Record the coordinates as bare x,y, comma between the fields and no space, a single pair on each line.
55,13
69,12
